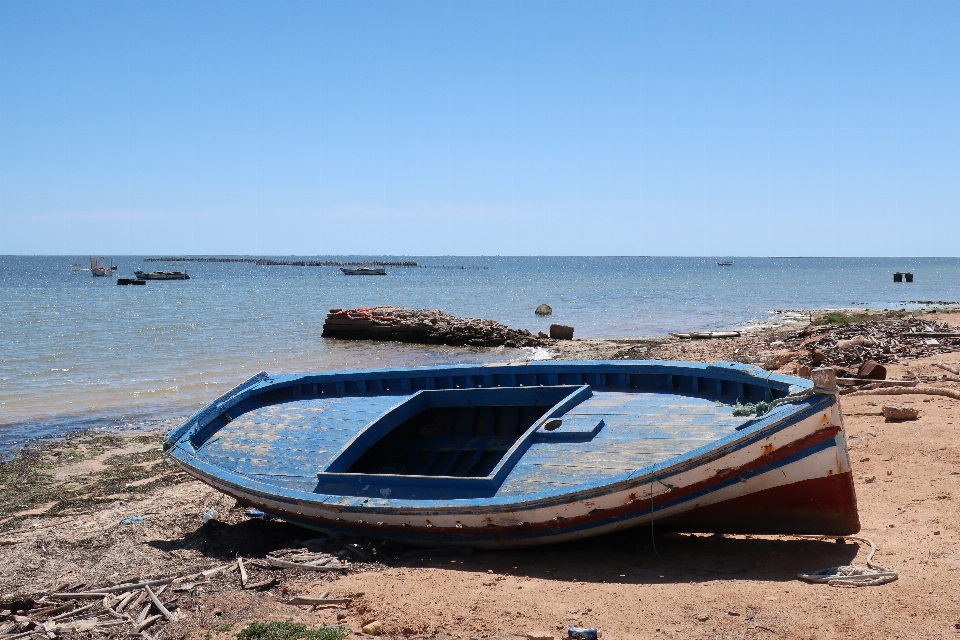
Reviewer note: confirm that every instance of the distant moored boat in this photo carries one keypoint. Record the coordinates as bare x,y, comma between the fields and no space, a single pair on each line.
364,271
100,266
725,263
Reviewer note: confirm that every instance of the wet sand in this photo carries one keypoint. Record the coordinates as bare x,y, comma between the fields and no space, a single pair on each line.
64,506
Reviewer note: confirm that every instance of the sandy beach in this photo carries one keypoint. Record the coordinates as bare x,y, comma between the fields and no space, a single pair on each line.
71,520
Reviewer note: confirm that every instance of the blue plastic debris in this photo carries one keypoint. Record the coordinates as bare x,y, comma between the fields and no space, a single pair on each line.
132,520
583,633
255,513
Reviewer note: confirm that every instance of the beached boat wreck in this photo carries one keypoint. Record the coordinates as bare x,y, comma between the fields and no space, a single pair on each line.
513,455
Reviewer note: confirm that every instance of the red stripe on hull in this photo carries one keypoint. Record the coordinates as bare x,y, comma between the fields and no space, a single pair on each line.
821,506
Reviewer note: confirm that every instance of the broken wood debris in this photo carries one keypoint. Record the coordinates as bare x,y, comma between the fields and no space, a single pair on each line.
286,564
122,602
879,340
243,572
159,605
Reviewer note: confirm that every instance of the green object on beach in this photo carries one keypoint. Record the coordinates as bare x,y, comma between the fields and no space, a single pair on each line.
285,630
752,409
839,317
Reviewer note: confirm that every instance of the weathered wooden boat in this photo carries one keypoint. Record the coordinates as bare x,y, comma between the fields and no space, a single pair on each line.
513,455
161,275
363,271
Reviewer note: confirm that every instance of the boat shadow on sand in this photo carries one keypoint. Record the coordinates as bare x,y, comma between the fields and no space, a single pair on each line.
629,557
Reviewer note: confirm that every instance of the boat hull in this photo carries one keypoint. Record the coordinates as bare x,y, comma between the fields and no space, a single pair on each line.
786,476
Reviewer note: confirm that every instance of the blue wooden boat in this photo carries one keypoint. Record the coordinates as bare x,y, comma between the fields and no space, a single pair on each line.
514,455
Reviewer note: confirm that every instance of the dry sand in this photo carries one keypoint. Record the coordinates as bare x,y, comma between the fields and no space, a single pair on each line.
630,585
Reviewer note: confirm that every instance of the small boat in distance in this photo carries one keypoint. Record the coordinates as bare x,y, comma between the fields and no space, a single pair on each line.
725,263
364,271
516,455
100,266
161,275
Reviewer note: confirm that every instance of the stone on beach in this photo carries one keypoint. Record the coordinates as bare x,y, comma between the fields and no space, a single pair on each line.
543,310
899,412
374,628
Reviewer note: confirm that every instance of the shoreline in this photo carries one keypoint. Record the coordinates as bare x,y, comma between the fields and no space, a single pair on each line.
748,345
63,507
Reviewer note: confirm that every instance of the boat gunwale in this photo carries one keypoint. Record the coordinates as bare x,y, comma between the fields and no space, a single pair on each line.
262,381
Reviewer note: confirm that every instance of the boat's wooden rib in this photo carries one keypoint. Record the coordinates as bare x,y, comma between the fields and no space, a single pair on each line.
512,455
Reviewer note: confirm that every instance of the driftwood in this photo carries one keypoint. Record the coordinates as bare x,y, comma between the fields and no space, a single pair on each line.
139,599
919,389
159,605
243,572
130,586
275,562
947,367
79,595
51,610
126,600
147,622
74,611
319,601
261,584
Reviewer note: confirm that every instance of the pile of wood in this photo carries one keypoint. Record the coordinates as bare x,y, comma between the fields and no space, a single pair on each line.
423,326
134,607
881,341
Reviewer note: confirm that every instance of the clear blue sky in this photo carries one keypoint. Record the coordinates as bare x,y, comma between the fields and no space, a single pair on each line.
655,128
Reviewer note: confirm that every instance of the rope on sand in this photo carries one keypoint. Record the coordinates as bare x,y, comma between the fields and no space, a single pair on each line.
852,575
919,389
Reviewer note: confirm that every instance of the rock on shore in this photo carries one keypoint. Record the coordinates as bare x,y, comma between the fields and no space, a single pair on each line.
422,326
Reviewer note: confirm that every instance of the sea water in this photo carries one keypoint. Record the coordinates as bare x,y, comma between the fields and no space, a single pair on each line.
78,351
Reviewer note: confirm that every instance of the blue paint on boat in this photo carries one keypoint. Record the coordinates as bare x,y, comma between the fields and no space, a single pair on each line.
393,448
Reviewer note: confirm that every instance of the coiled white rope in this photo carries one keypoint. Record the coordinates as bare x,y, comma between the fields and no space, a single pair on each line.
851,575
